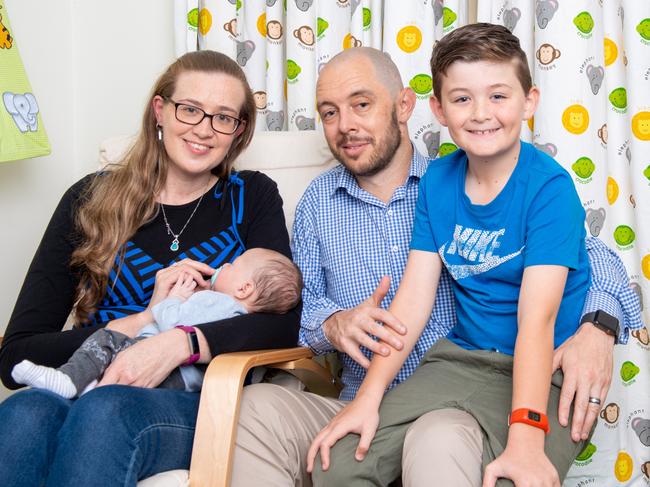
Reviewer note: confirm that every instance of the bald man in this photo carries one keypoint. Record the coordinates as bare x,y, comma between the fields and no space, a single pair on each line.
352,229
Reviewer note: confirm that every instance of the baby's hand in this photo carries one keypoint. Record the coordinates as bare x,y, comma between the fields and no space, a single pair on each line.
183,288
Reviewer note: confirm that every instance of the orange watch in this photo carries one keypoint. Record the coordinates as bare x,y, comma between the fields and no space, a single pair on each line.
530,417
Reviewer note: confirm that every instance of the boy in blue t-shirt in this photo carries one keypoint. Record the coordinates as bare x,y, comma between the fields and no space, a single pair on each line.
506,221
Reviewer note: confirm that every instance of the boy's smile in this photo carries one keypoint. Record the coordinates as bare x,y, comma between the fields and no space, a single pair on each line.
483,104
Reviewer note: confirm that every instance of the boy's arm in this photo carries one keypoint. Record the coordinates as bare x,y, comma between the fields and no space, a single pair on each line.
412,306
539,300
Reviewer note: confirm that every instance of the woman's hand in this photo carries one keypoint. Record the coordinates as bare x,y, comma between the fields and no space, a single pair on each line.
167,277
148,362
361,416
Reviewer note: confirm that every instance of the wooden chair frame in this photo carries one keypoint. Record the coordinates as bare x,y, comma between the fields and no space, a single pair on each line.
218,415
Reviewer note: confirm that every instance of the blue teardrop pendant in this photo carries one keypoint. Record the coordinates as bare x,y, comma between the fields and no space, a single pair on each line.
174,246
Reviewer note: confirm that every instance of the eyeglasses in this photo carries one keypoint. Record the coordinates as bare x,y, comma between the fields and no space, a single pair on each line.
191,115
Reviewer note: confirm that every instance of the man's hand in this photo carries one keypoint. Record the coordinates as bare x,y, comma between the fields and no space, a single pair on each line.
349,329
586,361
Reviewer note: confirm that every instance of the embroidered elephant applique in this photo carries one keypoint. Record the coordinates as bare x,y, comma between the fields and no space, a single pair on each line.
24,110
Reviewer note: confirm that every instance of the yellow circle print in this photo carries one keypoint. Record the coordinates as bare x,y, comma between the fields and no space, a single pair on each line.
612,190
575,119
261,24
409,38
611,51
205,21
641,125
645,266
350,41
623,467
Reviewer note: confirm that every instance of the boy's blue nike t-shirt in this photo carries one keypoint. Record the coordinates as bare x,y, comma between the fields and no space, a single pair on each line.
536,219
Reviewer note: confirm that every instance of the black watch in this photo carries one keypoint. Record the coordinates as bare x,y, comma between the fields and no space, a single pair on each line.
603,321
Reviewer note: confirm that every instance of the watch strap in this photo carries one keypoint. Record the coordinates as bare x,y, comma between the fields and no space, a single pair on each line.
603,321
193,343
530,417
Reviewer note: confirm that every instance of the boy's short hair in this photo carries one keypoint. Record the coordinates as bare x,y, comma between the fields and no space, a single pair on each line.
278,285
478,42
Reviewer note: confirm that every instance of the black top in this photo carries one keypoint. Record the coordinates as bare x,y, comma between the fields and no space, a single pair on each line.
46,298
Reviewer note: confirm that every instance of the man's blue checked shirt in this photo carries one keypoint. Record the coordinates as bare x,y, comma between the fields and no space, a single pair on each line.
345,240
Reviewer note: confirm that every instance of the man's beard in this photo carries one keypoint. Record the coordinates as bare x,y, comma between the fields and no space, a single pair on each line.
381,156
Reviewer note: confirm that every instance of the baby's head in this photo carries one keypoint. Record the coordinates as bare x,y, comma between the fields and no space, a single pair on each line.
478,42
262,280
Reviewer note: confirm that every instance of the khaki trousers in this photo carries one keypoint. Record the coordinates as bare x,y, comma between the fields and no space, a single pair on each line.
277,425
476,381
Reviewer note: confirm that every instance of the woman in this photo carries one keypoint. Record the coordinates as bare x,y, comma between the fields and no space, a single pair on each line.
117,243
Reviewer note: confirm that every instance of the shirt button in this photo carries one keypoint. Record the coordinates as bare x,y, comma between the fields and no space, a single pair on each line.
394,248
390,212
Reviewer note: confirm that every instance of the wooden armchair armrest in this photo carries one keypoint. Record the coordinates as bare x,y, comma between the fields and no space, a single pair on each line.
219,407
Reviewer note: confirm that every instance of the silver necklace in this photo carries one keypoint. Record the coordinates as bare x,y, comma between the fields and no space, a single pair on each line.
176,243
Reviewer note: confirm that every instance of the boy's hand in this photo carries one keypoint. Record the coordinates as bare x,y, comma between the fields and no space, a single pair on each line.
586,361
523,461
183,288
349,329
360,416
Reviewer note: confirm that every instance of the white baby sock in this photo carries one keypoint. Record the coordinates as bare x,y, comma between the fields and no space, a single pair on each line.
42,377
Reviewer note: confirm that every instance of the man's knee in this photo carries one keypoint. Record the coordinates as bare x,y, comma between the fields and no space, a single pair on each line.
261,403
442,439
442,429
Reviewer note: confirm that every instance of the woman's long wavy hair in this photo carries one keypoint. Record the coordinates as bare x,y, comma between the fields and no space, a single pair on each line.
123,198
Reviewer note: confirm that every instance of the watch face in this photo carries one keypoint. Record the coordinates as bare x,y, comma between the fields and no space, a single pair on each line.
606,320
534,416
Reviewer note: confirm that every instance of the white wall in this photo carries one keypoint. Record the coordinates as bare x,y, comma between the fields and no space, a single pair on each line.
91,64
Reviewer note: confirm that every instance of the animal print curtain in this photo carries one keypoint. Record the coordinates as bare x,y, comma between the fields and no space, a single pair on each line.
591,60
22,134
281,44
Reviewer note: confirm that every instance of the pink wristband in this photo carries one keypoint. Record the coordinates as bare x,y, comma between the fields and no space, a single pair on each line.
193,342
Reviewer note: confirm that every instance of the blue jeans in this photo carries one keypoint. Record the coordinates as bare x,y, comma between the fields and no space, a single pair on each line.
111,436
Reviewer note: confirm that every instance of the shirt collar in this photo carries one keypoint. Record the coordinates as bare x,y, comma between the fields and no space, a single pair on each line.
347,181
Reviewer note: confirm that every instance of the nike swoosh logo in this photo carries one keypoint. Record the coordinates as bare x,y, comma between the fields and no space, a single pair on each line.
461,271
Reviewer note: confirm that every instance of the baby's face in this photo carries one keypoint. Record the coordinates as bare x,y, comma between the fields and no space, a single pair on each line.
231,277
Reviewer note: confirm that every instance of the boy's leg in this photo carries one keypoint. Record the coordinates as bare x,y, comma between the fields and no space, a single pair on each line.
491,410
438,383
92,358
559,447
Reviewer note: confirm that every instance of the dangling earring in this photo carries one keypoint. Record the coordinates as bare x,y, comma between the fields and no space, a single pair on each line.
159,132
